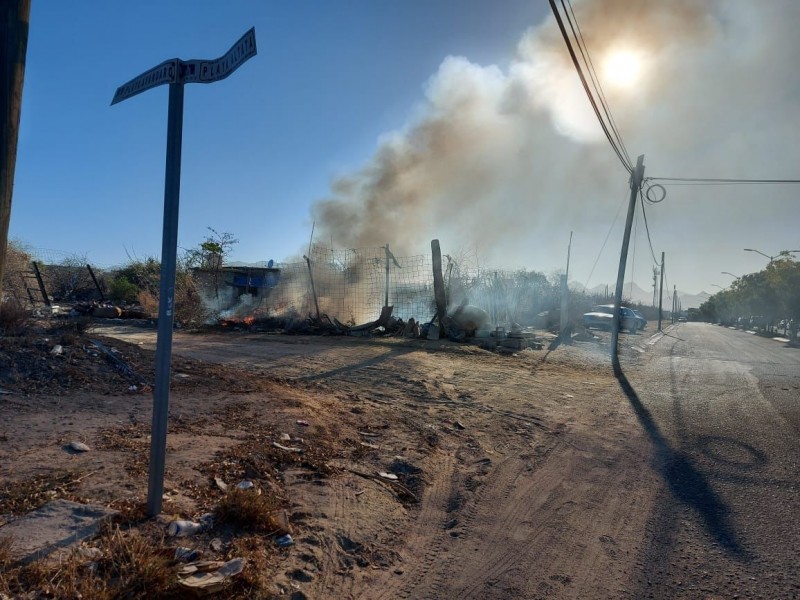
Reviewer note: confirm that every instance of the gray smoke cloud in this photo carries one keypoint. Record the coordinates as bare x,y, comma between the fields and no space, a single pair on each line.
511,159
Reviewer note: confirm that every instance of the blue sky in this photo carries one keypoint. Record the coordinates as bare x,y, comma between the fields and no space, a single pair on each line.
258,147
456,119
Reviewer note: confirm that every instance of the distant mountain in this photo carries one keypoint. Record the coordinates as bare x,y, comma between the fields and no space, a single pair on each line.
631,292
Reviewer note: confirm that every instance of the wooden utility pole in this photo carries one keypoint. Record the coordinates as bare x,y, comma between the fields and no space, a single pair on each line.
14,19
636,182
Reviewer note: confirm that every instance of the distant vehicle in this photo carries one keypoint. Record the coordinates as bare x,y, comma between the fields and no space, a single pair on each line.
601,317
681,319
642,320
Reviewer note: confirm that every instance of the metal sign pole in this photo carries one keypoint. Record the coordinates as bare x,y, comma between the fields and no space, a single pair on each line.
166,304
176,73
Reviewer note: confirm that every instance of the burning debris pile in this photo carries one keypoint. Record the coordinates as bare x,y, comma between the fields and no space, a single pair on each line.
371,292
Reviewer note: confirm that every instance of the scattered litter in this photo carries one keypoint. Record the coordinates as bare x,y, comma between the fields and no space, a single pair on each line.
76,446
302,422
2,391
183,528
286,448
184,554
57,350
181,376
369,434
223,487
285,437
209,577
284,541
133,388
217,545
246,485
459,425
390,476
207,520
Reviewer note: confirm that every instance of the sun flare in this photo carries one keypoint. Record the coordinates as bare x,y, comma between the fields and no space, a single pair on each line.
622,68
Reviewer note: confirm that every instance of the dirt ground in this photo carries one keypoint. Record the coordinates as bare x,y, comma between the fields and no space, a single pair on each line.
518,476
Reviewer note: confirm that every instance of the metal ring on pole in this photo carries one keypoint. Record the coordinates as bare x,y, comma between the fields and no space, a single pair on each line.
652,199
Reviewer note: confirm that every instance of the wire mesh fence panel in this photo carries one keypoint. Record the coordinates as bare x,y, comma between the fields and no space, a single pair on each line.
351,286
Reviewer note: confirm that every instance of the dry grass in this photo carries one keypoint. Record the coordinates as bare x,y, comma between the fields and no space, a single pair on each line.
250,511
13,318
18,497
130,565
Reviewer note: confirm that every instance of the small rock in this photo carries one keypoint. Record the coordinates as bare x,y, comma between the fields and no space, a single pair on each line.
57,350
76,446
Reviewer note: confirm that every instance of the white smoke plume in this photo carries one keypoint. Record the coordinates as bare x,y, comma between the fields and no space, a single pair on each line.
511,159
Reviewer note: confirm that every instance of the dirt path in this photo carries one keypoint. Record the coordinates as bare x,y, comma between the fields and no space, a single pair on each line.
531,474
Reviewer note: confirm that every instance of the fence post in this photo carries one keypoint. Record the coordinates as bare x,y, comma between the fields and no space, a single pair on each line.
40,281
97,285
313,289
438,285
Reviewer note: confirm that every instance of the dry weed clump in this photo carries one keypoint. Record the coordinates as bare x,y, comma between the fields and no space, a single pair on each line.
125,564
250,511
13,318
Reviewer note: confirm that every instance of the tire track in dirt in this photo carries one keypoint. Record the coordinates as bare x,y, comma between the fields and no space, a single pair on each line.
426,536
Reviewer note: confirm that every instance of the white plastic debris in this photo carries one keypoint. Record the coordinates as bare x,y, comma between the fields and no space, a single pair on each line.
57,350
209,577
183,528
390,476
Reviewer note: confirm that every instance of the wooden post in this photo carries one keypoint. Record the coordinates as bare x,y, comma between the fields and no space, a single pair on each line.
438,285
313,287
40,281
14,19
96,284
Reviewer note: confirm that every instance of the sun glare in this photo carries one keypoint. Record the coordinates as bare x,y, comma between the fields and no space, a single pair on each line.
622,68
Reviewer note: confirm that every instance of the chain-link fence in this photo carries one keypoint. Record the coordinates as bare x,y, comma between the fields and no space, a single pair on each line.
349,285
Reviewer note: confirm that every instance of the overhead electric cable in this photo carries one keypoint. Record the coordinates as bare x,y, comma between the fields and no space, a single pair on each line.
610,229
587,59
589,95
647,228
721,181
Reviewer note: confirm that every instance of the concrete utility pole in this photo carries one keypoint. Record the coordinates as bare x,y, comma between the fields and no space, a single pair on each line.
565,294
636,182
176,73
14,20
661,292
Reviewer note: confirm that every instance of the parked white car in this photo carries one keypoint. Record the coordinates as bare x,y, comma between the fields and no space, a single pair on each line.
601,317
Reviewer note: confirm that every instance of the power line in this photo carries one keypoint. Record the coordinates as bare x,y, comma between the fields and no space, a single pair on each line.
589,95
721,181
610,229
647,228
587,59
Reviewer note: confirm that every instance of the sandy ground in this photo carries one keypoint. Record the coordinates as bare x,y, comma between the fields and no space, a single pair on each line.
522,476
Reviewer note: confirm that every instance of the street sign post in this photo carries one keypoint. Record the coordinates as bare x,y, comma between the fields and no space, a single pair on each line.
176,73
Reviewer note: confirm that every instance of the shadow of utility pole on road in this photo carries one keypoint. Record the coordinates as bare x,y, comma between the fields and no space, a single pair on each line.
685,481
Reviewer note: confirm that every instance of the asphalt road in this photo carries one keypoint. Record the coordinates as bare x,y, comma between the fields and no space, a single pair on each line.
722,410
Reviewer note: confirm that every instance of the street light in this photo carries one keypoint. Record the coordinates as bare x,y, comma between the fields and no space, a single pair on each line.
731,274
718,286
772,258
